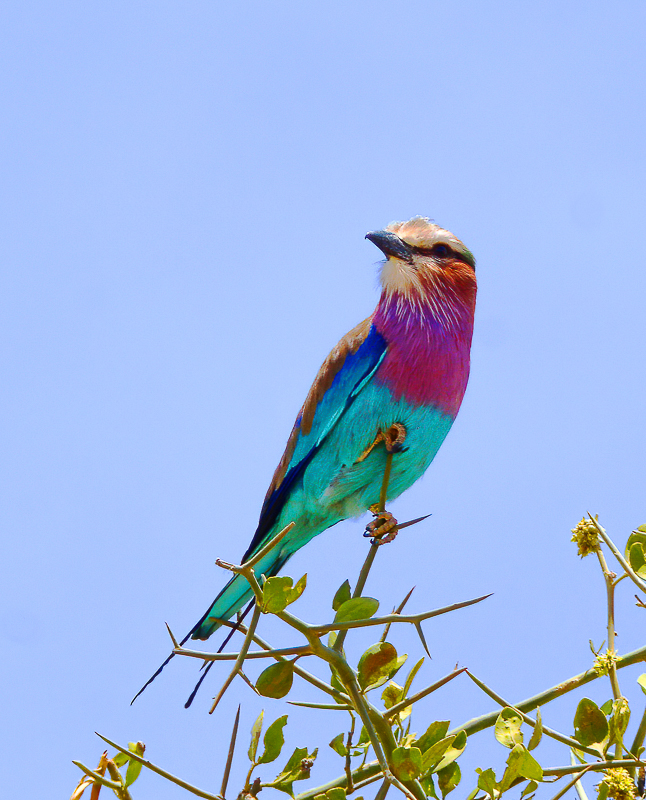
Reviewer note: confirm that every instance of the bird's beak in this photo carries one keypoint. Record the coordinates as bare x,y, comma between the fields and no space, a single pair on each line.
390,245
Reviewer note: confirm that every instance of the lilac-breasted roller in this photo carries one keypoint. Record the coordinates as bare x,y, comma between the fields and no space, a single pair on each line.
407,365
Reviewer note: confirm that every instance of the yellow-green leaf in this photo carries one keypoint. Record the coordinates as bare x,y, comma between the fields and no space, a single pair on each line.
448,778
392,694
487,781
356,608
276,680
406,763
378,664
507,729
338,745
273,741
455,750
433,734
537,733
590,724
256,730
342,596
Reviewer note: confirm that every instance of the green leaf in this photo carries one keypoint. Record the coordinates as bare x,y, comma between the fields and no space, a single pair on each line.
356,608
377,665
134,767
406,763
337,744
298,768
537,733
607,706
337,793
273,741
642,682
276,680
590,724
274,594
520,764
392,694
121,759
603,791
530,768
434,732
278,592
513,771
336,684
256,730
507,728
487,781
448,778
435,753
428,786
531,787
342,596
411,676
636,558
636,537
298,590
455,750
132,773
619,720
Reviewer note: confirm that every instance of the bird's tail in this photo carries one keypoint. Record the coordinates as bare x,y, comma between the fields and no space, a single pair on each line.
230,600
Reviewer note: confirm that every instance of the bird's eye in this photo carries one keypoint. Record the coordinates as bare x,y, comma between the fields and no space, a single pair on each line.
441,250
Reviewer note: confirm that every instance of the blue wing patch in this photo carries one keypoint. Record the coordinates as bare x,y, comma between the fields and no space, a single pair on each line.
355,372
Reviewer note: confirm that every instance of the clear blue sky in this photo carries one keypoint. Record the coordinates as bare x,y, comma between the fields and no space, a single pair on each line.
185,191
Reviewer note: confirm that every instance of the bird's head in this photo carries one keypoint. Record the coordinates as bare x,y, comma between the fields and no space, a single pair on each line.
424,261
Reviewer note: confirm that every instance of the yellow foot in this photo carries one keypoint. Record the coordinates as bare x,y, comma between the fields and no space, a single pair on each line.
383,528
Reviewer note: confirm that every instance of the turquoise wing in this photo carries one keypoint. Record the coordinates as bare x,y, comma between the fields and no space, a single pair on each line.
345,372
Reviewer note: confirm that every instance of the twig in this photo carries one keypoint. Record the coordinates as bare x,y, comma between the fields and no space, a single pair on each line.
160,771
397,610
284,651
572,783
241,656
617,554
319,630
99,778
374,547
638,741
547,731
307,676
383,791
596,767
251,562
361,776
348,765
408,701
232,747
609,578
487,720
324,706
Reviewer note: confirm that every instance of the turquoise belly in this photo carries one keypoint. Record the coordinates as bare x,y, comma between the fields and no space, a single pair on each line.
335,486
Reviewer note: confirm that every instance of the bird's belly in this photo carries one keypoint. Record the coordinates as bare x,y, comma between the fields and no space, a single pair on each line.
340,481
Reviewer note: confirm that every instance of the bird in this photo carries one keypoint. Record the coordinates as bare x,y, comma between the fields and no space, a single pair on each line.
400,374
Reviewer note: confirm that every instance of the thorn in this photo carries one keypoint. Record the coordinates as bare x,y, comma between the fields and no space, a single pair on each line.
232,747
248,682
411,522
173,639
420,633
400,608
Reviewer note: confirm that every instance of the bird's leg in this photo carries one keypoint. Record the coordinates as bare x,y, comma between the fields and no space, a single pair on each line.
383,528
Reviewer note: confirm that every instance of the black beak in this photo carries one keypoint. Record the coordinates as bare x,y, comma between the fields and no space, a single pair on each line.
390,245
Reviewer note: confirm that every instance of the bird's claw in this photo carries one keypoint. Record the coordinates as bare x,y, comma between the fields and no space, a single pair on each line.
383,528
